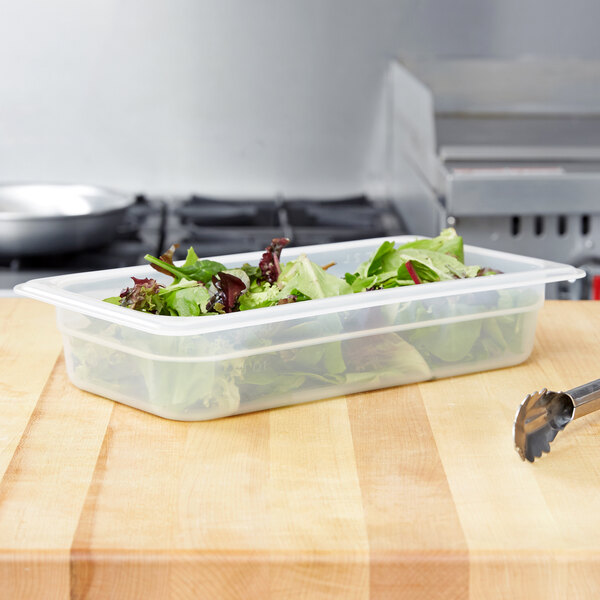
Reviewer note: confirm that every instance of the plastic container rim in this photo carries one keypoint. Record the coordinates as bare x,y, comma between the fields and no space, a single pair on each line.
51,290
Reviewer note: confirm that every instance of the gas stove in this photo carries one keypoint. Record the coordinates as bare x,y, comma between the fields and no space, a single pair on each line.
213,227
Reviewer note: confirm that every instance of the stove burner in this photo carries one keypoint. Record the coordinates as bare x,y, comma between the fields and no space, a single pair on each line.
227,213
215,227
228,226
144,217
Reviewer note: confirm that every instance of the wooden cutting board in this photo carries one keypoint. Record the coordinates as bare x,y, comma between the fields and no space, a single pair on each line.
410,492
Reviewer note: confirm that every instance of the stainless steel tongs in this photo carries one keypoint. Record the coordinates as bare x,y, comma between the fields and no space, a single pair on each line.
543,414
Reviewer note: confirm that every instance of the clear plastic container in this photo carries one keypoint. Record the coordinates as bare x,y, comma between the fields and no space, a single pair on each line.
196,368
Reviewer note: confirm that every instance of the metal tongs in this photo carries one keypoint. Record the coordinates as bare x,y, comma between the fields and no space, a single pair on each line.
543,414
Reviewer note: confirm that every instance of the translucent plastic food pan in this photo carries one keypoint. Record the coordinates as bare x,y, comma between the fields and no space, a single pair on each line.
196,368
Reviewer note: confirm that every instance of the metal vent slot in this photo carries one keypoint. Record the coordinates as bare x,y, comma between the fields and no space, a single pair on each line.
515,226
562,225
538,226
585,224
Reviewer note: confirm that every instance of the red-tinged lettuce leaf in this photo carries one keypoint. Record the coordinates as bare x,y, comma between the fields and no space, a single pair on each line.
143,295
269,263
288,299
166,257
484,271
228,290
412,272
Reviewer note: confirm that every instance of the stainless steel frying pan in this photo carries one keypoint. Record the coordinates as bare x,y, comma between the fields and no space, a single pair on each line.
54,218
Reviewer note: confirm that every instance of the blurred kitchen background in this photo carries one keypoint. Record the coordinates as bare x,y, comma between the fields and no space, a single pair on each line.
229,123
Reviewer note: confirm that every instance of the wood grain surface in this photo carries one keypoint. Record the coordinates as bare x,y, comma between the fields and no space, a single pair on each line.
412,492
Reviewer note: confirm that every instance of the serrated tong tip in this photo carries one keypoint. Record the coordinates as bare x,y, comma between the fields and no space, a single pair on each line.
543,414
539,419
530,409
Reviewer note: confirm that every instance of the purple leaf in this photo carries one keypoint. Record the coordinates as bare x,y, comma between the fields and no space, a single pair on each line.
269,263
229,288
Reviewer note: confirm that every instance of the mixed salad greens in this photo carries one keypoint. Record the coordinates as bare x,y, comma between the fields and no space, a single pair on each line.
206,287
308,357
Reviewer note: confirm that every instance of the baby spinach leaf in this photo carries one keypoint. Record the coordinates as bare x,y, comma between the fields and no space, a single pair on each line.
192,269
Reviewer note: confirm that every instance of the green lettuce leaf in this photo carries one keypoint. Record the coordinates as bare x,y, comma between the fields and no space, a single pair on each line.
260,296
437,259
448,242
308,278
187,301
299,280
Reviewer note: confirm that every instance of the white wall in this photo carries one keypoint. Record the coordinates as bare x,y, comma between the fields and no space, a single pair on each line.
225,96
250,97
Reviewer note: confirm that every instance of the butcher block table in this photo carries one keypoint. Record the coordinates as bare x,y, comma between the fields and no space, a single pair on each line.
409,492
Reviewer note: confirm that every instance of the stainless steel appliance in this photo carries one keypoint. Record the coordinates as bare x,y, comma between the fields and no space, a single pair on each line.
522,182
